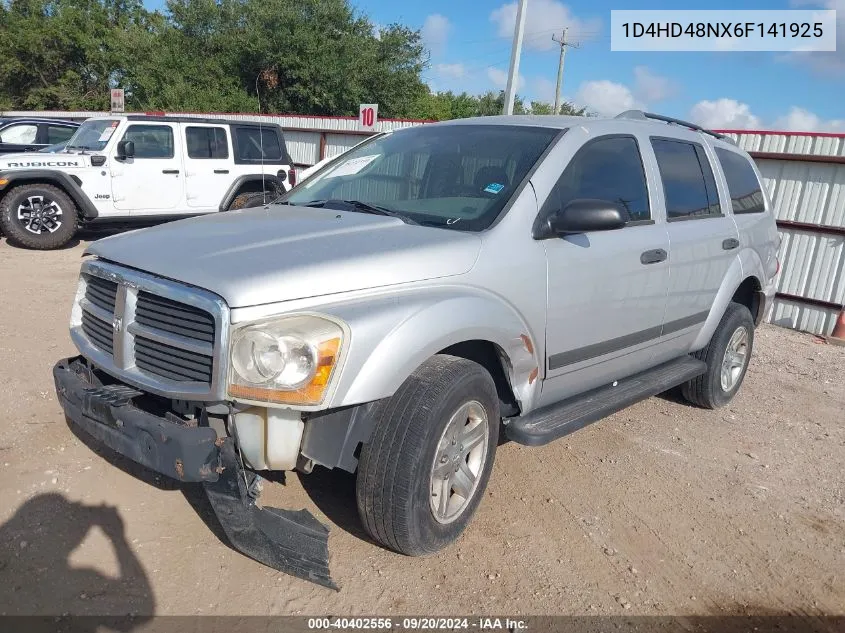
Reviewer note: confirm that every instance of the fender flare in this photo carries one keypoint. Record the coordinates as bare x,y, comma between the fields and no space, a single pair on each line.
244,179
401,336
68,183
730,283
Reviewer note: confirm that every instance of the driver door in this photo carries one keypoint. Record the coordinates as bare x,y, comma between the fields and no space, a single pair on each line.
606,290
152,181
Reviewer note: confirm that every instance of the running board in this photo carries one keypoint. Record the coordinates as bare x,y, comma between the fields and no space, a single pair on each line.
554,421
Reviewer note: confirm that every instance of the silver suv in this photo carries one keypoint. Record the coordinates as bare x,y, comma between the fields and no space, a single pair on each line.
398,312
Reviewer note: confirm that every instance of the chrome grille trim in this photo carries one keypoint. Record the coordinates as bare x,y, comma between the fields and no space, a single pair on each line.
180,381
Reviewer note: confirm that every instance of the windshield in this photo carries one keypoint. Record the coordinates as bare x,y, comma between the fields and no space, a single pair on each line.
93,135
453,176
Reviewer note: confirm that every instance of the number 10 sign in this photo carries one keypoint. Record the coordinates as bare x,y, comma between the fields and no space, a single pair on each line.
368,116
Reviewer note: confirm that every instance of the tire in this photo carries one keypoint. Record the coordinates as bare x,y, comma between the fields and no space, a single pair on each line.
250,200
396,471
53,229
710,390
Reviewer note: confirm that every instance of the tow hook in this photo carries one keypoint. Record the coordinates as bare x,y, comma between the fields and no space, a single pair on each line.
293,542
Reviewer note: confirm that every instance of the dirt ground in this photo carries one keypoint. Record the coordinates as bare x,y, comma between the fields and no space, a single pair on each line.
660,509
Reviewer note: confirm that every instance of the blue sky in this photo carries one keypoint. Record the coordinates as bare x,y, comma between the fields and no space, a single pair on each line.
469,41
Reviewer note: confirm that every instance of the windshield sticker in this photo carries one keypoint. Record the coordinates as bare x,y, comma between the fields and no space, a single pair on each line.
106,135
352,166
493,187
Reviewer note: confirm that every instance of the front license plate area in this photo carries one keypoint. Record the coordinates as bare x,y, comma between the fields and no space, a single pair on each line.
97,402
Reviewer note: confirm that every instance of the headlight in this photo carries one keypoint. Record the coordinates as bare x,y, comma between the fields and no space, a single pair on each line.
289,360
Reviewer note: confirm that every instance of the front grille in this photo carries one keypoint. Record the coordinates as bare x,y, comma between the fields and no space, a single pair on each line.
172,362
174,317
138,328
101,292
98,332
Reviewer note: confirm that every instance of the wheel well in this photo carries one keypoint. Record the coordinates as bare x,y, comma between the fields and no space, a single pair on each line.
748,295
256,186
40,181
492,358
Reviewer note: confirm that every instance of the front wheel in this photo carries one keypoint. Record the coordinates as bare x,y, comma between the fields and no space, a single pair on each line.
727,356
423,472
36,216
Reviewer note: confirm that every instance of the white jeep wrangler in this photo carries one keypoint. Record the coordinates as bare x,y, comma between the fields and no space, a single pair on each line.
140,168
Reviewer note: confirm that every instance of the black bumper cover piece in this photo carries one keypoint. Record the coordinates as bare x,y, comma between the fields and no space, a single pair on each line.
291,542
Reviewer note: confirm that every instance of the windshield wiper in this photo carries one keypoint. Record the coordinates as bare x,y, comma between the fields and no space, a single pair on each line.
363,207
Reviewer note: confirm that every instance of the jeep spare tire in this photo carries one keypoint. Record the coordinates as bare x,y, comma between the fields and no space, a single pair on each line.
37,216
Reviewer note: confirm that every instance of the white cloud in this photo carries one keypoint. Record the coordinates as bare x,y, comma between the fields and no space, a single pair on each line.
650,87
453,71
824,62
724,114
499,78
731,114
801,120
435,32
606,98
542,17
544,90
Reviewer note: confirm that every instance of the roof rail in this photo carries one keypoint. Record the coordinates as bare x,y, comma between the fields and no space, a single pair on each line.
645,116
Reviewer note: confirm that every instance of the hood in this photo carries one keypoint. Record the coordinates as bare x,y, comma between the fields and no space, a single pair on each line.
256,256
44,160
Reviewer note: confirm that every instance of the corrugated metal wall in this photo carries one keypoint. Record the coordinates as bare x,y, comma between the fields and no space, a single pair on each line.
805,177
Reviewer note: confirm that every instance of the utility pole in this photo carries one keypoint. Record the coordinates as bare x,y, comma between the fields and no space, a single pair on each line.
563,44
519,29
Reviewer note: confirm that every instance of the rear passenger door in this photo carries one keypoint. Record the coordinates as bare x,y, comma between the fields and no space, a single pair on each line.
703,239
606,289
207,165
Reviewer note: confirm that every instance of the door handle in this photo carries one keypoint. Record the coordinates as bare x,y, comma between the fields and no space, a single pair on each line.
170,171
221,171
654,256
730,244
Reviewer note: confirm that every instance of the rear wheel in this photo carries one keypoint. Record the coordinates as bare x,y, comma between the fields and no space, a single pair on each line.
37,216
250,200
423,472
727,356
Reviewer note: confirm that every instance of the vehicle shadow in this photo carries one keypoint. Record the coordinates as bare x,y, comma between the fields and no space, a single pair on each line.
194,493
39,579
333,492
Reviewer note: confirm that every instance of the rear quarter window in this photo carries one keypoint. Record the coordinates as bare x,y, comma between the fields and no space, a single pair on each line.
743,185
257,144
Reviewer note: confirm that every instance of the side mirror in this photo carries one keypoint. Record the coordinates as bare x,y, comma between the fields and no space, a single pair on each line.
125,149
585,215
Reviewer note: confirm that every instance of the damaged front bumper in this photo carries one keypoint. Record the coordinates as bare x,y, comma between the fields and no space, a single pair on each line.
291,542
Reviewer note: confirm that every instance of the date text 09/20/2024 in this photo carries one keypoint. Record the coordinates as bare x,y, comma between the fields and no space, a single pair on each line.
418,624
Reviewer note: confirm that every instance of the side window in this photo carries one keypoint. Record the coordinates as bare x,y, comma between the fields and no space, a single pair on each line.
688,184
207,142
715,208
59,133
252,141
608,168
743,186
19,134
151,141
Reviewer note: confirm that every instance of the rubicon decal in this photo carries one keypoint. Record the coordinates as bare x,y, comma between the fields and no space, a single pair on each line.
46,163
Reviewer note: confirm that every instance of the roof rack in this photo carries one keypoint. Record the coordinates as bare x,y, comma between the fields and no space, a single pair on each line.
646,116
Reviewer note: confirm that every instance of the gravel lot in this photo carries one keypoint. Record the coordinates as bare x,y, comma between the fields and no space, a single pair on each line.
660,509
